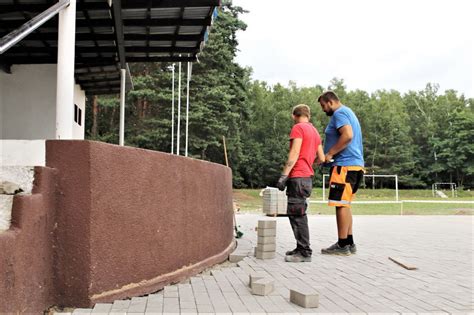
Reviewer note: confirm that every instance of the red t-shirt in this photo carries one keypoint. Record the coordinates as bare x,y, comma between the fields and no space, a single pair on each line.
309,147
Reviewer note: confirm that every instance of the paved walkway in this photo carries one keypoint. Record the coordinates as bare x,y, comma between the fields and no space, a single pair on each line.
368,282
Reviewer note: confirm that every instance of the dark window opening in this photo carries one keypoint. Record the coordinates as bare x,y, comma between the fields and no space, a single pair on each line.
77,115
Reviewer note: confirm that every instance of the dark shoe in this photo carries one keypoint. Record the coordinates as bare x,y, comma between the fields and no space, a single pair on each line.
298,258
335,249
353,248
291,252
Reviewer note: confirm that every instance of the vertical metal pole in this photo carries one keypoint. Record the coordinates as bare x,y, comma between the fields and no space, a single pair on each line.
179,108
396,186
123,77
172,112
187,108
65,72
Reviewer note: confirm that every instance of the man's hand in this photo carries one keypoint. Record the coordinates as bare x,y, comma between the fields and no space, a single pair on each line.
281,184
328,158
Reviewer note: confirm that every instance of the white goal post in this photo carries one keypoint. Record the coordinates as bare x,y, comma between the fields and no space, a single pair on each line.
365,175
452,186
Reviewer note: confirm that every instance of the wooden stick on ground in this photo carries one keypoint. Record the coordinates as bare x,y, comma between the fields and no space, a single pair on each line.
225,152
400,262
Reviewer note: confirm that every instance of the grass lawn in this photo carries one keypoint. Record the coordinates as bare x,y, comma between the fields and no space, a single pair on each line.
249,200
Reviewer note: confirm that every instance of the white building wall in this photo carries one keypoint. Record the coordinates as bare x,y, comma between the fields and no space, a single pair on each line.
80,100
28,103
2,75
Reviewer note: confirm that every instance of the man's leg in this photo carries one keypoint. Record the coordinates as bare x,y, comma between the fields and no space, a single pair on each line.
299,225
294,227
344,221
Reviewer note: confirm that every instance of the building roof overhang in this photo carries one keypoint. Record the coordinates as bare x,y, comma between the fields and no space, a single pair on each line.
110,34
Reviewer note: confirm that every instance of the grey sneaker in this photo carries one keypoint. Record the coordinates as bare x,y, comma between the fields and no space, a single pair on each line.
291,252
298,258
335,249
353,248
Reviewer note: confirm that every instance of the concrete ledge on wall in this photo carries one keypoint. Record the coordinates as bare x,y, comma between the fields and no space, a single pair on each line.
22,152
12,179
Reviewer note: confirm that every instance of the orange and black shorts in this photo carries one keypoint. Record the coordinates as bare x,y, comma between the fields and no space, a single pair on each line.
343,184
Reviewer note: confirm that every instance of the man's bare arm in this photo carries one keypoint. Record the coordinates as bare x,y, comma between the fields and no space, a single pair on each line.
341,144
320,158
293,155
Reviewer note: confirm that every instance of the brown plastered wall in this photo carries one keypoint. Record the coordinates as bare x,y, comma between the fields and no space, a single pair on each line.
26,249
133,220
72,263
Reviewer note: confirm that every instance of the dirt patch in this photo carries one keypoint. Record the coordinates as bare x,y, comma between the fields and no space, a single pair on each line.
464,211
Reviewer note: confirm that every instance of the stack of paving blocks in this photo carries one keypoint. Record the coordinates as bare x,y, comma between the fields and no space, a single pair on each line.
266,243
274,201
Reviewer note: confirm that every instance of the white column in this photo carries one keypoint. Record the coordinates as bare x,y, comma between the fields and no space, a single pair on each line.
179,108
396,186
187,108
123,77
172,112
65,72
324,187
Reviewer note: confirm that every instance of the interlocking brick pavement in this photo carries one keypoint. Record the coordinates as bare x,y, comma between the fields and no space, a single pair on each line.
367,282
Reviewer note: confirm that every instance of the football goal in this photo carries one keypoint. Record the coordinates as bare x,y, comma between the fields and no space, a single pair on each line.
437,189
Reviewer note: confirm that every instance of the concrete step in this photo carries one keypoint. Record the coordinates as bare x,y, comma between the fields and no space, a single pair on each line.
22,176
6,203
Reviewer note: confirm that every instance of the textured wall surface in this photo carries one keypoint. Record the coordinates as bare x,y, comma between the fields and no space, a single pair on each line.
106,222
131,220
26,250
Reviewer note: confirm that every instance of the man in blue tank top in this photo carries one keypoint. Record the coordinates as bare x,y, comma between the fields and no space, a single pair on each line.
344,153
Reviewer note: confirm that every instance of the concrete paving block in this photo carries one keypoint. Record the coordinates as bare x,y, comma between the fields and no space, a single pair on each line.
306,298
266,247
102,308
255,276
266,240
263,286
266,232
236,257
267,224
82,311
120,306
265,255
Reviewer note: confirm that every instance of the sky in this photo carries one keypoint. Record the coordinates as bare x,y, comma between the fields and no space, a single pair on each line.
371,44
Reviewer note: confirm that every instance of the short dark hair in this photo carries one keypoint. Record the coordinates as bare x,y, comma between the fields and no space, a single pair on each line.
328,96
302,110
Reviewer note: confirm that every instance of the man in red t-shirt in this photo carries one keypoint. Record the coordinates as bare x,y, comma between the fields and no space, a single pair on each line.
297,176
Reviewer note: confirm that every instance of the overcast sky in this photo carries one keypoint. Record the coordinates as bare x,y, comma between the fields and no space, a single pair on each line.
371,44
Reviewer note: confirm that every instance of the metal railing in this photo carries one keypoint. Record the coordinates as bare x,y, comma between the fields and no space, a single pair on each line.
9,40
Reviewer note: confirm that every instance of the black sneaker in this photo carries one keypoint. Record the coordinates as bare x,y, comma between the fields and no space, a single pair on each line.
291,252
353,248
335,249
298,258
